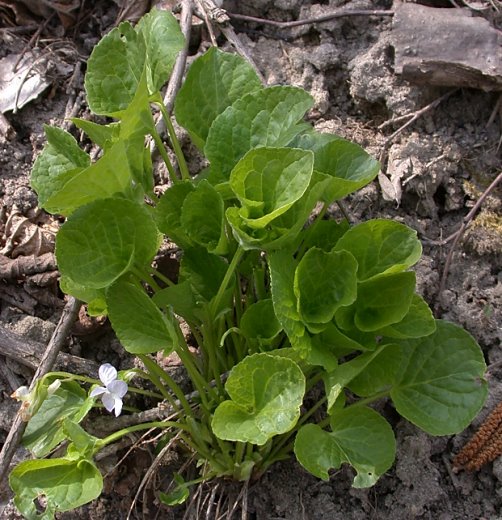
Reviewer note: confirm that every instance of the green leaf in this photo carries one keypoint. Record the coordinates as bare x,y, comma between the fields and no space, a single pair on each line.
282,232
380,373
103,135
323,283
268,117
168,213
360,437
214,81
65,484
60,160
204,272
440,386
100,180
348,165
83,442
163,41
268,181
381,246
266,393
313,140
338,379
44,430
282,270
105,239
180,297
95,298
383,300
114,70
324,234
259,322
417,323
178,495
203,220
139,324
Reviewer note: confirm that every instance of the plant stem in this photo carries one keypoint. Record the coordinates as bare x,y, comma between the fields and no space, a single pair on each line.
215,304
156,374
185,174
160,276
371,399
164,155
138,427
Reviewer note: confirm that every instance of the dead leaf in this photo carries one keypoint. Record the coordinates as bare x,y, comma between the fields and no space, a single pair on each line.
20,85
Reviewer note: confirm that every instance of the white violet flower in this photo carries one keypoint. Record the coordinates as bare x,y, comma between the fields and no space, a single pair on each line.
113,391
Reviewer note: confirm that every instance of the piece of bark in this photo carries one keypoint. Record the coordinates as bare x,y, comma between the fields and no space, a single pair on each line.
16,268
446,47
29,353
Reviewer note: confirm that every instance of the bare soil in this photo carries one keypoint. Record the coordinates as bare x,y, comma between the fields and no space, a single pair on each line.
439,166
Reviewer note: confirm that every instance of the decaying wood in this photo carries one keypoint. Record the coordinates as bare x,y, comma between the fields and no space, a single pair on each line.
16,296
29,352
446,47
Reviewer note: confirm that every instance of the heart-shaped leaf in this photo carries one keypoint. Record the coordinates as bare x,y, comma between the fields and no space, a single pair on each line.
214,81
103,240
440,385
360,437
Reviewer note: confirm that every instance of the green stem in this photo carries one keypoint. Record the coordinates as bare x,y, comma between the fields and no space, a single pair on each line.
371,399
185,174
164,155
215,304
138,427
160,276
201,385
156,374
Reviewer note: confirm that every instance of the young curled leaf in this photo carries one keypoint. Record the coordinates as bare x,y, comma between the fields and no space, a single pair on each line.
266,393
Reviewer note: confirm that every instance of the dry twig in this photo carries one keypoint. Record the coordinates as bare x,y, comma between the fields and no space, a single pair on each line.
458,235
56,342
339,13
413,117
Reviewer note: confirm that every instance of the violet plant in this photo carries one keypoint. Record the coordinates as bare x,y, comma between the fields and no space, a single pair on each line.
276,303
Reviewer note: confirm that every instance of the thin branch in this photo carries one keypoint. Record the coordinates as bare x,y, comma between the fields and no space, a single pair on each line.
467,220
180,64
317,19
68,318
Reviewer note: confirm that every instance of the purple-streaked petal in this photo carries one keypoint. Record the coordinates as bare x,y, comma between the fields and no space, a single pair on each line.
108,401
118,388
118,406
97,391
107,373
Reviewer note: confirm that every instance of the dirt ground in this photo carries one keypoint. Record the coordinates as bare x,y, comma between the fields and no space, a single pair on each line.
441,164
